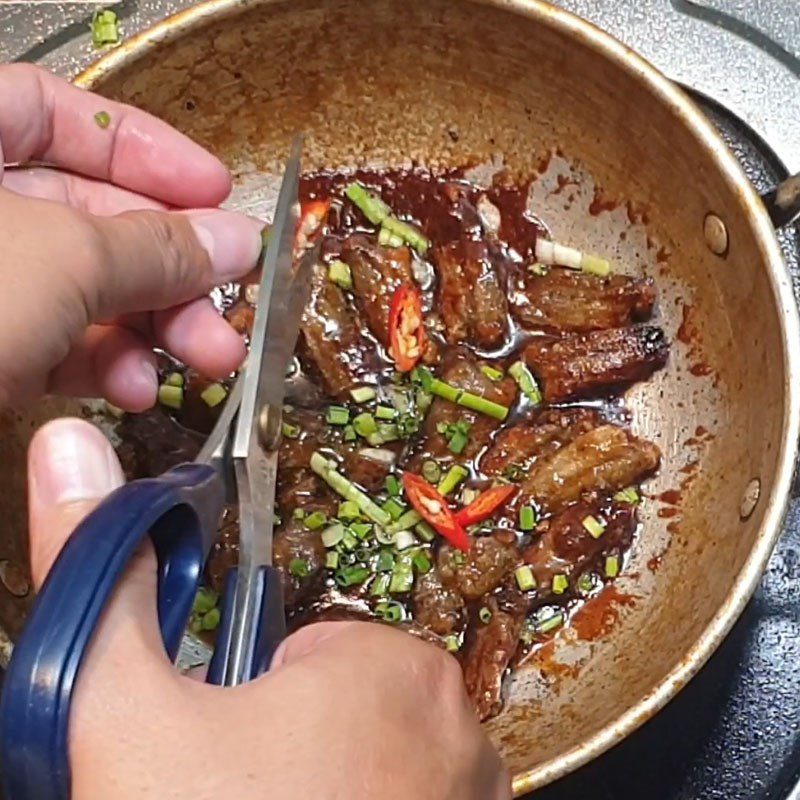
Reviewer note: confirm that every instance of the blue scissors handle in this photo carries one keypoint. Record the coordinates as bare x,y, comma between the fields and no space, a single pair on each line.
180,511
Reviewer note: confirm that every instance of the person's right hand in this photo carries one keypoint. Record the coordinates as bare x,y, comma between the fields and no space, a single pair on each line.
349,711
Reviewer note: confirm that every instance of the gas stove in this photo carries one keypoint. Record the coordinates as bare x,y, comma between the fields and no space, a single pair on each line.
734,731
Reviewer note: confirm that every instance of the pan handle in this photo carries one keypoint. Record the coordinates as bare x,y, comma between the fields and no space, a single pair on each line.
783,202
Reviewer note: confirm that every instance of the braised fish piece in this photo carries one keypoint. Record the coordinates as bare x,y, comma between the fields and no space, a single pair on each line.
479,571
597,363
436,607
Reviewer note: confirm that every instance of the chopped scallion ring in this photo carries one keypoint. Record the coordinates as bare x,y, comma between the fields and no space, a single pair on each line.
332,535
103,119
393,508
485,615
390,611
299,568
525,579
348,510
351,575
612,566
431,471
170,396
214,394
290,431
595,527
337,415
560,584
393,486
362,394
491,373
455,395
315,520
404,540
384,412
552,253
452,643
527,518
550,623
332,560
365,425
526,382
629,496
339,273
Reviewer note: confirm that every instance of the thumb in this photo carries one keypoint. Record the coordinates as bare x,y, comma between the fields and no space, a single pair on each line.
152,260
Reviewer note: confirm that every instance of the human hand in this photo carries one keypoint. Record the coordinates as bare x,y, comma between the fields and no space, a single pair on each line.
349,710
94,269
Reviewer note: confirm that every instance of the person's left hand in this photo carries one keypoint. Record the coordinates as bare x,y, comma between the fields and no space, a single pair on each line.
97,264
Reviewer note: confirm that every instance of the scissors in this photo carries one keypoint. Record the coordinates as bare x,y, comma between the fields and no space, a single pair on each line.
180,511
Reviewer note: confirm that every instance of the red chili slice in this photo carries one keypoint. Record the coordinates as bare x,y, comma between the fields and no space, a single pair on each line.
484,505
406,330
432,507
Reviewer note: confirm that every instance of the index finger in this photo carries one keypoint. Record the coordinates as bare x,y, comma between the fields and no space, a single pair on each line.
45,118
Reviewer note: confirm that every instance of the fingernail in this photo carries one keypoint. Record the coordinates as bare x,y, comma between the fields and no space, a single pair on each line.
233,241
70,460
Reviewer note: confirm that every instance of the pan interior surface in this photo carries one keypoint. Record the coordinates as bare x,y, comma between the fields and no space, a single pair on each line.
634,175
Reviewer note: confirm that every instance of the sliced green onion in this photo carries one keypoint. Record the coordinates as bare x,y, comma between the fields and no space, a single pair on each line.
527,518
361,529
513,473
560,584
349,540
526,382
407,425
170,396
384,435
424,531
298,513
346,558
595,265
332,560
388,239
468,495
332,535
450,482
348,510
364,553
351,575
290,431
299,568
393,508
421,562
594,526
103,119
452,643
550,623
538,269
553,253
365,425
525,579
380,585
337,415
104,28
407,521
612,566
459,396
384,536
587,583
491,373
485,615
315,520
402,577
373,208
350,434
385,562
347,489
362,394
458,441
384,412
629,496
431,471
392,486
390,611
404,539
204,600
211,620
339,273
174,379
408,233
214,394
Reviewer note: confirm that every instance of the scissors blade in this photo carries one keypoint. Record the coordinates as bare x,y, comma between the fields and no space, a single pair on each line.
256,432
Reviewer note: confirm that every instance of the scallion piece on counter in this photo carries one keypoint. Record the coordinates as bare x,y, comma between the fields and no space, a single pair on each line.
393,508
452,643
552,253
407,233
373,208
485,615
103,119
290,431
525,579
527,518
339,273
333,534
351,575
431,471
380,585
548,624
170,396
337,415
384,412
612,566
421,562
332,560
104,28
365,425
362,394
526,382
594,526
452,479
315,520
629,496
402,577
299,568
392,486
347,489
455,395
174,379
214,394
491,373
210,620
560,584
390,611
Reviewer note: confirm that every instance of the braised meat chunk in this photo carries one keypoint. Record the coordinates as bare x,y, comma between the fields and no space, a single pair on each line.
472,301
597,363
565,301
480,571
436,607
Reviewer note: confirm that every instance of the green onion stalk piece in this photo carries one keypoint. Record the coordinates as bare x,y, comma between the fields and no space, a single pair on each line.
365,425
393,508
594,526
525,579
384,412
350,434
460,397
390,611
526,382
204,600
339,273
552,253
422,564
315,520
491,373
332,560
560,584
337,415
403,540
550,623
587,583
210,621
452,643
388,239
527,518
402,577
393,486
424,531
629,496
380,585
351,575
431,471
372,207
214,394
362,394
349,540
332,535
407,233
347,489
361,529
170,396
290,431
104,28
485,615
404,523
103,119
612,566
452,479
299,568
385,561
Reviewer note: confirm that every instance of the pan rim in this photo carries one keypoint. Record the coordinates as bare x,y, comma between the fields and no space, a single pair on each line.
673,97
